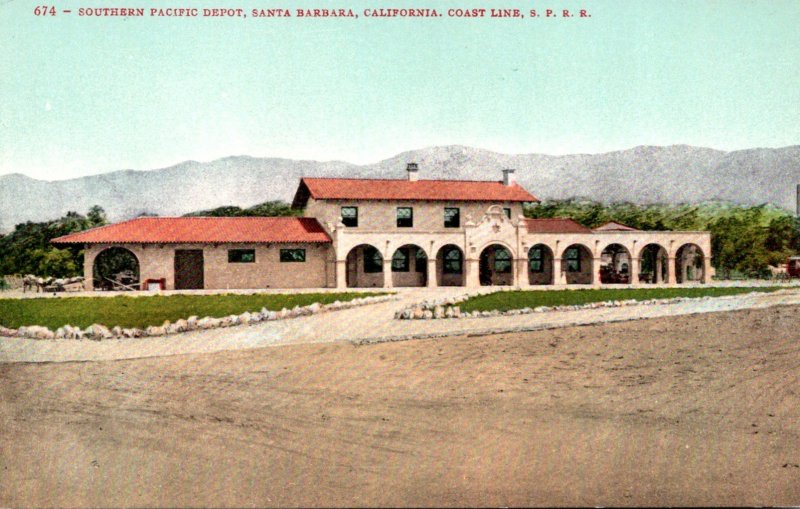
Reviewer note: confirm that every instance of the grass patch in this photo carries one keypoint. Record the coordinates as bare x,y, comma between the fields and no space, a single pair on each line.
505,301
149,310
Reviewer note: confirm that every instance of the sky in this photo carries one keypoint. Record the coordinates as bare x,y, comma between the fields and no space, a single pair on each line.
81,95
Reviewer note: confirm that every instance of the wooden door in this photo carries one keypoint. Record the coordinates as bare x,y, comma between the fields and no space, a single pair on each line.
188,269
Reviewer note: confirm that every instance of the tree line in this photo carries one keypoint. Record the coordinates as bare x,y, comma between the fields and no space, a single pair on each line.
745,240
27,249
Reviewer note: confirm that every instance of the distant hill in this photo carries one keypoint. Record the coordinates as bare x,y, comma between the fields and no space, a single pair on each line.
645,174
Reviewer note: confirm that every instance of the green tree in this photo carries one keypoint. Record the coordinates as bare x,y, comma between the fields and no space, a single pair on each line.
227,211
266,209
97,216
271,209
27,249
57,263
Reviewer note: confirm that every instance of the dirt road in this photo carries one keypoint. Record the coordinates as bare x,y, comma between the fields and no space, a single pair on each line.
679,410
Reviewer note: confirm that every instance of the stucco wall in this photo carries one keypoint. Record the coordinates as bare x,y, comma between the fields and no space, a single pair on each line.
157,262
267,271
382,215
410,278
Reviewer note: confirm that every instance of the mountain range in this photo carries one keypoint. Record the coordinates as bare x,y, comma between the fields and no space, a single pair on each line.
644,174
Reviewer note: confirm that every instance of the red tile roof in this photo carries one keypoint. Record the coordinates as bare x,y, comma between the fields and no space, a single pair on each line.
555,225
202,230
396,189
613,226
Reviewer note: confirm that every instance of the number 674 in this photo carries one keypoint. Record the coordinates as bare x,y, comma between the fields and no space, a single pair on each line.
44,10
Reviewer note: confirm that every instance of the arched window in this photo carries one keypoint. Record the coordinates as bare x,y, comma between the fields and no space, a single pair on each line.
502,260
421,261
400,260
573,257
373,261
452,261
536,259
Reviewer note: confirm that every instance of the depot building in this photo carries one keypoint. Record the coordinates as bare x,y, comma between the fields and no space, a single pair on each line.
385,233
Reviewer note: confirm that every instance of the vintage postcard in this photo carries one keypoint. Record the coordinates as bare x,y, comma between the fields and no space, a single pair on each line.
397,254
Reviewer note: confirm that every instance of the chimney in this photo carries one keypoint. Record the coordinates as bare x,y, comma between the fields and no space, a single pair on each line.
509,179
413,172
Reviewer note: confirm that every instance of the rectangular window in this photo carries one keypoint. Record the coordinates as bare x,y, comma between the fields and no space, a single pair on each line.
452,217
536,259
293,255
573,257
350,216
241,256
373,261
405,217
507,210
400,260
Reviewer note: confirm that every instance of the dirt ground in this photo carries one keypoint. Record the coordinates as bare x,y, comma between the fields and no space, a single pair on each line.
690,410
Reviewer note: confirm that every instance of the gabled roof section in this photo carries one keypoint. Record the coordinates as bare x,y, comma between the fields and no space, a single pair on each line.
397,189
613,226
555,225
203,230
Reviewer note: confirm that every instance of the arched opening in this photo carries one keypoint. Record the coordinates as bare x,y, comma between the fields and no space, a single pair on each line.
450,266
689,264
653,268
540,265
496,266
364,267
409,266
576,262
615,265
116,268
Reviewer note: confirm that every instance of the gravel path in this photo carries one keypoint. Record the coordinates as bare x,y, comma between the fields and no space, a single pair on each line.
367,324
686,411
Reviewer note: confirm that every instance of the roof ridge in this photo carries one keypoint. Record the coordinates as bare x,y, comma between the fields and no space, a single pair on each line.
184,230
411,181
375,189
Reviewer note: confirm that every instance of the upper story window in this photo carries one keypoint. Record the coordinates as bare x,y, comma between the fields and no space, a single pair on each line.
507,211
405,217
241,256
293,255
350,216
452,217
573,257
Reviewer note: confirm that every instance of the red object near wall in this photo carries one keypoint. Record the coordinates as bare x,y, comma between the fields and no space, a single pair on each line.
162,284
